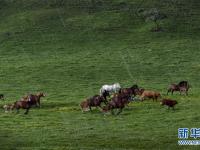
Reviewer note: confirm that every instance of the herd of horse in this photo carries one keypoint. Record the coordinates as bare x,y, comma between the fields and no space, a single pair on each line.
26,102
112,96
115,97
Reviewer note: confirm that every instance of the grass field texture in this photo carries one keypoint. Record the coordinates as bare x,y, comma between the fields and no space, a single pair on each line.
69,49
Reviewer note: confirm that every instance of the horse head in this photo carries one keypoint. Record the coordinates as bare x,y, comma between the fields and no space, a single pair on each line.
41,94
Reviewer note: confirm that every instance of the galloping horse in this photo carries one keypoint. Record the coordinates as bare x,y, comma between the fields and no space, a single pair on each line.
130,91
35,99
94,101
182,86
110,88
22,104
117,102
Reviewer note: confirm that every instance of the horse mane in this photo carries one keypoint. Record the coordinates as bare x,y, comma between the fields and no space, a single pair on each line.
135,86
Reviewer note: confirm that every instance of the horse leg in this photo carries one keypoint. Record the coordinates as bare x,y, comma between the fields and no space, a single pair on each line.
120,110
99,106
169,90
90,108
100,92
156,99
38,103
27,111
17,110
112,112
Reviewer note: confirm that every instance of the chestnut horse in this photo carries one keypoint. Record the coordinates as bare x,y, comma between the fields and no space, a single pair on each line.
150,94
94,101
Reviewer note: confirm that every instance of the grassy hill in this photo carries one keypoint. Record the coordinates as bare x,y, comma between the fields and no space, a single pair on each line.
69,49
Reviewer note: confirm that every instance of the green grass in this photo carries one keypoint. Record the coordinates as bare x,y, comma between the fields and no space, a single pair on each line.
69,52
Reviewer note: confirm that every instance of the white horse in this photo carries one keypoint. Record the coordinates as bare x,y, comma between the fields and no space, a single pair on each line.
110,88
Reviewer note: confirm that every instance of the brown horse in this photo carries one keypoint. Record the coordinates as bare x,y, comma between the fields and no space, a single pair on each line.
94,101
22,104
117,102
172,88
150,94
140,91
34,99
182,87
84,105
130,91
169,102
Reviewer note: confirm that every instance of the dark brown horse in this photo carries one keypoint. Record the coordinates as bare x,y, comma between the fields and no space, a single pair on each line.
183,84
94,101
169,102
117,102
182,87
22,104
34,99
130,91
172,88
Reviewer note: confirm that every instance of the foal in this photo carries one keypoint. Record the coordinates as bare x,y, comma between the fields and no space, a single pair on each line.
169,102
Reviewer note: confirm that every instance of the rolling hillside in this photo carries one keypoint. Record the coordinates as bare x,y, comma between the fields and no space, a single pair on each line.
69,49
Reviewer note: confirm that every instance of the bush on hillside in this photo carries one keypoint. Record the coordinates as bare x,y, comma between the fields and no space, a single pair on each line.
153,15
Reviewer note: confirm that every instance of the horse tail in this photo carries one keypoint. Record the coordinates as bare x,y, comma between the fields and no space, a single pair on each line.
118,85
101,92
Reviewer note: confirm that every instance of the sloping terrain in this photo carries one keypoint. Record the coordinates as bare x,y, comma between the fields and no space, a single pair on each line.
69,49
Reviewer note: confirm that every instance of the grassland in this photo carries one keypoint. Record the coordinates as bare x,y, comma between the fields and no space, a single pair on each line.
69,51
